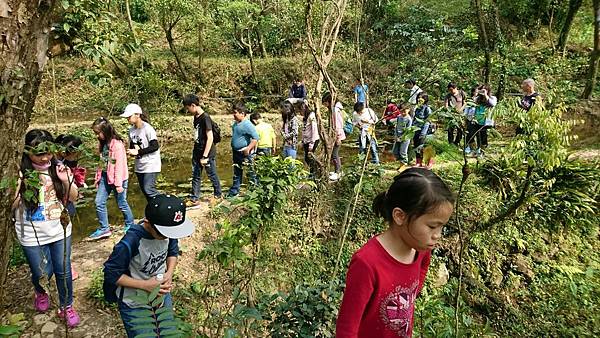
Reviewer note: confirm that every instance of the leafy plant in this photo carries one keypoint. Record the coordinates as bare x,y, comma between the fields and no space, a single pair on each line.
158,319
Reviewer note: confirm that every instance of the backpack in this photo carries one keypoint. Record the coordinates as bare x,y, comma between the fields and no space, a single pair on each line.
348,125
215,129
216,132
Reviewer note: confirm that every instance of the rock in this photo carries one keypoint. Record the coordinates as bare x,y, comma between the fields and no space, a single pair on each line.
442,276
497,277
40,319
522,265
48,328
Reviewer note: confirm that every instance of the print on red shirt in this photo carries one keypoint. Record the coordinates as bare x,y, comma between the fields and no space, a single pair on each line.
396,310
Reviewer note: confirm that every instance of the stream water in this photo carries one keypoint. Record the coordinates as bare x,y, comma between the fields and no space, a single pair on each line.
175,178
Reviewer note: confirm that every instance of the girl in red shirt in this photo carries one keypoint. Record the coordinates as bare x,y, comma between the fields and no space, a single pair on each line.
386,275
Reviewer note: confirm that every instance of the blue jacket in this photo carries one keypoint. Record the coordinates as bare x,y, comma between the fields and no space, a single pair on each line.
422,119
138,255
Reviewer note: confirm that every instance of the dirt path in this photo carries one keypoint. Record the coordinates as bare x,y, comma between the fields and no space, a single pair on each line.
97,320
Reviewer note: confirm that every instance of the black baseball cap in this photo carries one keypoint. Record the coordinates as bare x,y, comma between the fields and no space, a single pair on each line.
167,214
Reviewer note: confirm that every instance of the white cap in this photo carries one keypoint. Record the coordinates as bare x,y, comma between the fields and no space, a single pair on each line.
131,109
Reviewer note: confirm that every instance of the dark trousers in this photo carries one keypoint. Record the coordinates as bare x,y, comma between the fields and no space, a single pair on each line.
335,158
418,141
312,164
148,184
477,133
454,135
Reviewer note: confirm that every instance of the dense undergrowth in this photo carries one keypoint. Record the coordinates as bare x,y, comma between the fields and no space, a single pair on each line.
535,273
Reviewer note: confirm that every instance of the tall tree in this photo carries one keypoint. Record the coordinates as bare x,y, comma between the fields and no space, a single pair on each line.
24,29
595,55
484,39
563,37
322,52
169,13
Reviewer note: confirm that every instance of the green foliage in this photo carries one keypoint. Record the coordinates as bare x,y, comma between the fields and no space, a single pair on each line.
97,34
309,310
10,331
95,291
154,317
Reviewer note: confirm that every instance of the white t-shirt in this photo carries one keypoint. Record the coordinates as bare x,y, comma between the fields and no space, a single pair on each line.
148,163
414,92
45,219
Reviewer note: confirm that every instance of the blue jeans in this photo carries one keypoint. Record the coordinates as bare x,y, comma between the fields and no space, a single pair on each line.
289,151
49,259
128,315
104,190
211,172
148,184
400,150
373,144
239,160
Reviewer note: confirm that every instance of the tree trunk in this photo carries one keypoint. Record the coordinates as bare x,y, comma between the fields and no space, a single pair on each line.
261,42
595,55
248,44
561,45
322,54
130,22
200,45
483,40
501,47
170,40
25,25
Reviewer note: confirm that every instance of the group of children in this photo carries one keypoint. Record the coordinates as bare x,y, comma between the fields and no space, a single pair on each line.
384,277
48,186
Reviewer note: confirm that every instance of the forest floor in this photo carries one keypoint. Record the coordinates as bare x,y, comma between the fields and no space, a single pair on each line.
97,319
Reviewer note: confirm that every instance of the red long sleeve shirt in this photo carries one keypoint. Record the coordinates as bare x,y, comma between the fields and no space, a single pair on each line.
380,293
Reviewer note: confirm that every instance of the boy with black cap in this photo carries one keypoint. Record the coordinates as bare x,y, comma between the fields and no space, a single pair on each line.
146,258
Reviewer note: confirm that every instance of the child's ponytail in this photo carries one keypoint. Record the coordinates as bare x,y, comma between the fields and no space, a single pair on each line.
144,116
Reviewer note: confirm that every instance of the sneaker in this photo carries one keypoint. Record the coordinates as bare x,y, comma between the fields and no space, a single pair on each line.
70,316
192,203
467,150
41,302
74,273
214,200
333,176
99,234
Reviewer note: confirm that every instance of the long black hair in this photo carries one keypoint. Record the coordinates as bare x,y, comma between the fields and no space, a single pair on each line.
305,111
417,191
287,112
106,128
38,141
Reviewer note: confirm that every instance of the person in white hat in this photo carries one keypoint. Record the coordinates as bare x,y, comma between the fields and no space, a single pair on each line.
143,145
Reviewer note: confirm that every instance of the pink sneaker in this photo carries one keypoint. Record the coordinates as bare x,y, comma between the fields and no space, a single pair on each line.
41,302
70,315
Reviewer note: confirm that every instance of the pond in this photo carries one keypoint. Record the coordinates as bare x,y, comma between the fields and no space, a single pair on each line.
175,178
